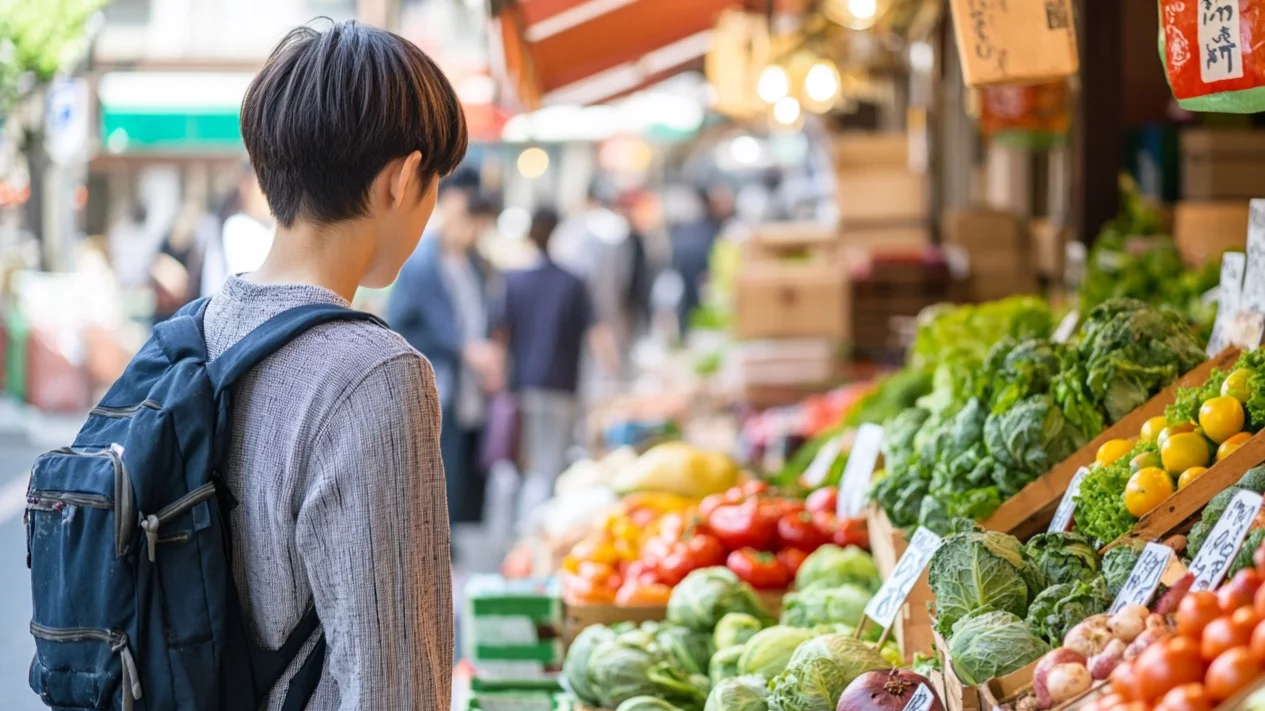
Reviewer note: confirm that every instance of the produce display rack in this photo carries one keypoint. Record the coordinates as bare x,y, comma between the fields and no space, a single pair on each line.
913,624
1030,511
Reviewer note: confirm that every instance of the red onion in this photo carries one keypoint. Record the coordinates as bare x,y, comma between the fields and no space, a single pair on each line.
885,691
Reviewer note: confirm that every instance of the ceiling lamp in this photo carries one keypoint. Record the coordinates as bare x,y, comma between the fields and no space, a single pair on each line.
786,112
854,14
821,85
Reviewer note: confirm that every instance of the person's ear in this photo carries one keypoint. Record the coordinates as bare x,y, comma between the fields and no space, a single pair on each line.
402,182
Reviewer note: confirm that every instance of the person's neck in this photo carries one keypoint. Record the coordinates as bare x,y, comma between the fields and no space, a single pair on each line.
333,257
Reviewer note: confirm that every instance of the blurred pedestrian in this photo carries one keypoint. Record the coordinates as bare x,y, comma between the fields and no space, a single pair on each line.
544,318
692,243
240,239
440,305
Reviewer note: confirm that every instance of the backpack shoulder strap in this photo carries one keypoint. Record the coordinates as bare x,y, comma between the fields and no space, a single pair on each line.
274,333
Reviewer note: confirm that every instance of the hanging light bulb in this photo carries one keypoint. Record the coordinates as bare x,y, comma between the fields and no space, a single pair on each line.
821,85
854,14
774,84
786,111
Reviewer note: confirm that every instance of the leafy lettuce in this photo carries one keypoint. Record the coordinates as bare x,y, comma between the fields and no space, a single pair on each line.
976,571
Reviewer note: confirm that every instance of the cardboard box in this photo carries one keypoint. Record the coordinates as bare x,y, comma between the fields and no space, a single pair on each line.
1203,231
890,237
793,241
1223,164
881,195
1049,248
786,361
773,300
983,231
1015,41
854,150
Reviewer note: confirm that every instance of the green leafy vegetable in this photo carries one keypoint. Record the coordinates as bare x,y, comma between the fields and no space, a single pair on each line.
724,664
822,606
735,628
1118,562
1063,557
819,671
989,644
975,571
768,652
708,594
1100,513
744,693
646,703
692,649
633,664
575,668
1061,607
831,566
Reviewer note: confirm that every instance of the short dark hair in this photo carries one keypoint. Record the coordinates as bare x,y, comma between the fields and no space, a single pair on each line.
543,223
331,108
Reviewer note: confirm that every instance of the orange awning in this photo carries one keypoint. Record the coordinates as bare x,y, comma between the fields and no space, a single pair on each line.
588,51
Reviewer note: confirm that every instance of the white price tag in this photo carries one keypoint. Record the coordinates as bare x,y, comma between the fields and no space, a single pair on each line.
1067,327
1228,293
1220,52
860,470
921,700
1223,543
819,468
1253,297
1063,514
882,608
1144,578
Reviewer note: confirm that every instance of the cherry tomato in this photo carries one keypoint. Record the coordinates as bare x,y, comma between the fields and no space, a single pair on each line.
1231,672
1124,682
1167,665
1187,697
1240,591
1257,644
1222,634
1195,611
791,558
825,499
798,531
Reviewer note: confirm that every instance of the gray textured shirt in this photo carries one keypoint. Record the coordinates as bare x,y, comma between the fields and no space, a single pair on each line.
334,458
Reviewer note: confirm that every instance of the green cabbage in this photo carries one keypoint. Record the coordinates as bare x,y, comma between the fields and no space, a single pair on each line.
633,664
820,670
831,566
1118,562
575,668
1063,557
744,693
769,650
724,664
647,703
991,644
1061,607
1032,436
976,571
692,649
824,606
708,594
735,628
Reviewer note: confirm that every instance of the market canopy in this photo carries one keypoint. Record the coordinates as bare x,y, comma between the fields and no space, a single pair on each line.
589,51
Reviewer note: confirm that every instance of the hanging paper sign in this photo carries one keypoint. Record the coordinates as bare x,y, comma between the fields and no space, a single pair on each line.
1015,41
860,470
1144,579
1223,543
1063,514
882,608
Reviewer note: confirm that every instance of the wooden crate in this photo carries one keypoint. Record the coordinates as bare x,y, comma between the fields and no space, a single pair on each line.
913,624
1030,511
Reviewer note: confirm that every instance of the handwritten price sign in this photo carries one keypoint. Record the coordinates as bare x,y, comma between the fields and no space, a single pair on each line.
1223,543
860,469
883,607
921,700
1063,515
1144,578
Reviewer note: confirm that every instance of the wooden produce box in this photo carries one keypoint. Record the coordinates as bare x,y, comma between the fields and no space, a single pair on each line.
913,624
1030,511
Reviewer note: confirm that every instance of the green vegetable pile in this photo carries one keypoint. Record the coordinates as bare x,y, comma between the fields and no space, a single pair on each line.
1001,604
995,420
608,666
1253,480
1133,258
831,566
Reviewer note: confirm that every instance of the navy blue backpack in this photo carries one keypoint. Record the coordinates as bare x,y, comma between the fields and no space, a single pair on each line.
128,540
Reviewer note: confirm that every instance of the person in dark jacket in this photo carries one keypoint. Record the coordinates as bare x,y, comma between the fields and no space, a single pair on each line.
440,305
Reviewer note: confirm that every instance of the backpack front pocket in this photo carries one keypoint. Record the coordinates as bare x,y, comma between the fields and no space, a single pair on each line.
83,668
80,523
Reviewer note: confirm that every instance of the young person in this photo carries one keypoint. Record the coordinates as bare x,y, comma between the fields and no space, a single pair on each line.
334,447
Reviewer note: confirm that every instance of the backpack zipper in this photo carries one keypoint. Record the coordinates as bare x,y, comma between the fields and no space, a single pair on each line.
124,511
131,678
125,411
152,523
38,499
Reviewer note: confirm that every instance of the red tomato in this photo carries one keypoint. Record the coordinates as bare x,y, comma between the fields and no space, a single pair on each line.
852,532
743,525
1222,634
655,550
1240,591
1195,611
826,522
1257,645
1231,672
798,531
1187,697
677,564
762,570
1258,601
1167,665
792,558
710,504
706,549
1124,682
755,487
823,500
1259,558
